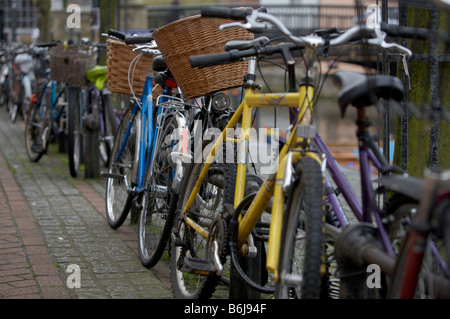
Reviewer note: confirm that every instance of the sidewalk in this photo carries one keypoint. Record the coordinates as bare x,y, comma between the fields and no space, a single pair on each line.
50,221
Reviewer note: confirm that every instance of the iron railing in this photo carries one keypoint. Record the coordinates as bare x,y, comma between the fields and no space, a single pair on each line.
300,19
18,17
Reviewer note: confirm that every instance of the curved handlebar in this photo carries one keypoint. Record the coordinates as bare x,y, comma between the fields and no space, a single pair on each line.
405,32
229,13
203,61
258,21
131,39
138,39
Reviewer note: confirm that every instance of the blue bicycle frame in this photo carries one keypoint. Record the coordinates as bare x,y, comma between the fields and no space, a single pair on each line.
55,113
149,132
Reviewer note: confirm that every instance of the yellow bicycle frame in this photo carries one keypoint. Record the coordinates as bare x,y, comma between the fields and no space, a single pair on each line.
273,184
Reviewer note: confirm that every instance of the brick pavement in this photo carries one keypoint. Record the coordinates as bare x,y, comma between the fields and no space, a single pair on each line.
49,221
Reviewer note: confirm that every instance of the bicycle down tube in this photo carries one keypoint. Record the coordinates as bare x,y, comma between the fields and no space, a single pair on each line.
141,150
300,100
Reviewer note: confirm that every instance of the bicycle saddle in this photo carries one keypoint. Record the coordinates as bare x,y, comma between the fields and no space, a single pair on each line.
359,89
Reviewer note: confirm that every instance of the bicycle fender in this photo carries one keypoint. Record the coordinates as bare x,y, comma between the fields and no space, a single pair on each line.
26,82
180,155
403,184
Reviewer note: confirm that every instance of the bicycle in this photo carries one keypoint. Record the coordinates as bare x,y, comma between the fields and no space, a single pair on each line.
430,224
92,107
359,245
301,164
22,81
146,160
46,116
79,102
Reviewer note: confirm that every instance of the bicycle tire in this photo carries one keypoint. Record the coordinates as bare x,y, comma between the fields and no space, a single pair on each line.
74,131
158,210
109,129
12,110
251,267
118,199
92,146
305,213
33,132
4,92
401,210
187,285
95,149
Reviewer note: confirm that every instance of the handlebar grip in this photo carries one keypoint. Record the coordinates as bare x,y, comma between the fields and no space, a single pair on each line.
394,30
203,61
138,39
227,13
117,34
46,44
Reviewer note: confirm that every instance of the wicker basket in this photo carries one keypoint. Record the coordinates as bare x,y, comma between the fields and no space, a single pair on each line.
70,64
120,57
197,35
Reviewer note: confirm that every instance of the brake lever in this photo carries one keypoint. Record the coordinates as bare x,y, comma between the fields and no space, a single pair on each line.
252,24
147,49
380,40
235,25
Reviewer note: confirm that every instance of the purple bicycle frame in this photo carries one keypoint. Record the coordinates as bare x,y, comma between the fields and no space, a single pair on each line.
363,209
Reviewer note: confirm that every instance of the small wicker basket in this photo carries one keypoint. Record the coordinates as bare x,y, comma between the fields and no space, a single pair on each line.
197,35
69,64
119,59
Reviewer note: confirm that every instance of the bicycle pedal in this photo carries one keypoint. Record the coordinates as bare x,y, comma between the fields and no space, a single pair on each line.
198,266
114,176
176,239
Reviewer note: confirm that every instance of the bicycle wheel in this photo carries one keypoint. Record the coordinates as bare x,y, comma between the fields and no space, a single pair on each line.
37,128
13,108
93,123
156,218
433,270
74,130
108,128
118,198
302,252
188,243
248,275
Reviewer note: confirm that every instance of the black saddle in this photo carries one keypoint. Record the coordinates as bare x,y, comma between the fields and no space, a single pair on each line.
360,90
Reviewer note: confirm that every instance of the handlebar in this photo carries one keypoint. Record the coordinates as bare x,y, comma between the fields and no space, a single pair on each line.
131,39
257,20
203,61
405,32
138,39
47,44
227,13
117,34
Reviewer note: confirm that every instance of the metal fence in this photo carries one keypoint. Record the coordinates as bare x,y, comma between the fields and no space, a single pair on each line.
18,17
303,19
300,19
